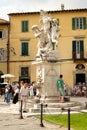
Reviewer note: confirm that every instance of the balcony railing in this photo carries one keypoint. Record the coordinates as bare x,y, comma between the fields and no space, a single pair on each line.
78,56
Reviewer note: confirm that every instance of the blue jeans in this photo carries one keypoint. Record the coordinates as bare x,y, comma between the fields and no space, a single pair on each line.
7,97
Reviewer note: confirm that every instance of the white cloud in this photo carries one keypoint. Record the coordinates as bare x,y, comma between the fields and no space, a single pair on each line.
35,5
74,4
4,11
50,4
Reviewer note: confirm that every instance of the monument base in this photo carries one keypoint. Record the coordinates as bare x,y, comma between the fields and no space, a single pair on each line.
49,75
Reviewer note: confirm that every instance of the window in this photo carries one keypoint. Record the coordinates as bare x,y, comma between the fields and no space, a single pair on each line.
24,26
24,74
24,49
24,71
78,49
79,23
2,34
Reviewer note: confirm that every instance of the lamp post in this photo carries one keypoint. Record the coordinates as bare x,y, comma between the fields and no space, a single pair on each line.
8,46
7,58
9,49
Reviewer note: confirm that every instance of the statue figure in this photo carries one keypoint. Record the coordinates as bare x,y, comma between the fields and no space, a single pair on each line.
43,41
47,35
45,22
39,76
54,31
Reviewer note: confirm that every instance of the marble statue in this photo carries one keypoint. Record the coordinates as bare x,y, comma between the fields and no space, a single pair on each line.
47,69
55,30
47,35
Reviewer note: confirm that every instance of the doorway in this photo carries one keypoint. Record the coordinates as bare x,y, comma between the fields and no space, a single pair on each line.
80,78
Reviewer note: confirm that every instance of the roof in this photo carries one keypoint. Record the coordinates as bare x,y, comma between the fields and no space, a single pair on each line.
69,10
4,22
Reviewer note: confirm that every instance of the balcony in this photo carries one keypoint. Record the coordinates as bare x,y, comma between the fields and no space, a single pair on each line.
78,56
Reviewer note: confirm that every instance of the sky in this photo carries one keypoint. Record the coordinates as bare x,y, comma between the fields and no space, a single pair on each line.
15,6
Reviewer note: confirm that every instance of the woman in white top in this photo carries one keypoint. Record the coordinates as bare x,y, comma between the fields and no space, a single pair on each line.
31,88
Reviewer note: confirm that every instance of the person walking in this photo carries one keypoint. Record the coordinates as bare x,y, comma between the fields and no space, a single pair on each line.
16,93
31,89
60,88
7,94
24,93
21,84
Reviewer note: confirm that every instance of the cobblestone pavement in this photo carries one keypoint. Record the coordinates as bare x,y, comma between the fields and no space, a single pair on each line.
12,122
10,118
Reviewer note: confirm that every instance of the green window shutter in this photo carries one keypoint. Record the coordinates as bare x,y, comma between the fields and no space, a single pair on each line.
24,49
73,49
73,23
74,46
24,26
81,46
82,49
84,22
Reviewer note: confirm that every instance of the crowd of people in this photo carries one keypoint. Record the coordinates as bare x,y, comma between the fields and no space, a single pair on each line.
23,90
79,89
20,92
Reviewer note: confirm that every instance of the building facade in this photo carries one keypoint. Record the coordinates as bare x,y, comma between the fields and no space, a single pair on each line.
72,45
4,34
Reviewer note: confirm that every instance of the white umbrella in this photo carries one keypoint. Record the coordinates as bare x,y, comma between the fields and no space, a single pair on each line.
4,83
8,76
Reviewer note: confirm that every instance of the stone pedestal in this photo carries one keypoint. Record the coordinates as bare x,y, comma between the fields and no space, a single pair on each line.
48,72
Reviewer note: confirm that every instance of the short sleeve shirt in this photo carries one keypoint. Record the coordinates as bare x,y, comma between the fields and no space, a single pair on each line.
24,91
60,83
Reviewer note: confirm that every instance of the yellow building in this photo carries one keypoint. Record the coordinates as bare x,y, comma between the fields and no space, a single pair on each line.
72,45
25,44
4,31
